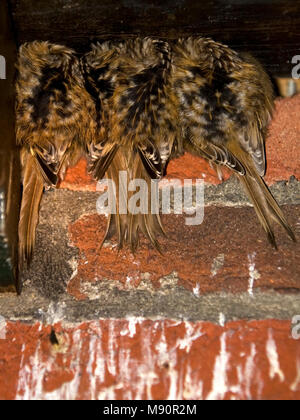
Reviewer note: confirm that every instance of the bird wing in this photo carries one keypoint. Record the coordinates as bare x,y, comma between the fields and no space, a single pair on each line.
220,155
151,159
50,160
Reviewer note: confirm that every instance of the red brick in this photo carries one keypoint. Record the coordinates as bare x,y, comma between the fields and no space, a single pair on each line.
137,358
78,179
283,151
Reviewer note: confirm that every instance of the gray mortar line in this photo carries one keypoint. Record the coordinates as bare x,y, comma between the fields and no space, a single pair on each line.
175,303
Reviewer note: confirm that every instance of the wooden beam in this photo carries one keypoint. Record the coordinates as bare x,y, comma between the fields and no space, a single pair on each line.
269,29
9,158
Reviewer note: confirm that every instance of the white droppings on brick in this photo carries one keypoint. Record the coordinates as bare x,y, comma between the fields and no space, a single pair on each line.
128,281
130,329
2,328
190,336
253,273
173,374
217,264
90,369
32,373
55,313
296,384
73,263
160,356
99,371
193,387
132,323
219,383
125,363
272,354
222,319
250,369
111,360
196,290
162,347
23,377
167,359
259,386
69,390
96,363
109,393
145,370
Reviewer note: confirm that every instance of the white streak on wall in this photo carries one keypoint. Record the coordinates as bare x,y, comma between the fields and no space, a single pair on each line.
32,373
111,357
30,377
146,375
126,371
253,273
273,358
55,313
217,264
222,319
69,390
135,377
132,323
193,387
168,357
190,336
73,263
296,384
100,360
90,369
96,364
245,376
219,383
196,290
250,369
173,378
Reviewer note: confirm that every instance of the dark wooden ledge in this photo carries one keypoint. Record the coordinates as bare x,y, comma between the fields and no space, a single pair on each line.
269,29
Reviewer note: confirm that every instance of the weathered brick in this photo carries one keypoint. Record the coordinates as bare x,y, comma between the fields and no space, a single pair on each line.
228,252
144,359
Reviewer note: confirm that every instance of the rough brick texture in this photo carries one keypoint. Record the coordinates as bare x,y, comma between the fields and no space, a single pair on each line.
227,253
144,359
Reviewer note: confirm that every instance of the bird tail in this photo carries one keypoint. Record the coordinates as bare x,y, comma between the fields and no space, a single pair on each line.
129,220
33,186
265,205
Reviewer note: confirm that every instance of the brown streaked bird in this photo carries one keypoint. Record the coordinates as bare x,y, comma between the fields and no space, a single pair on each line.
54,114
131,84
226,103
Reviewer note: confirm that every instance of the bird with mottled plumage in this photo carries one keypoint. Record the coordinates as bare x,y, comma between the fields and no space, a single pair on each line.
54,116
137,113
226,104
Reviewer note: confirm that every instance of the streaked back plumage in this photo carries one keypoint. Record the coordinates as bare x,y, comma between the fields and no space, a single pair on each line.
226,103
138,122
54,115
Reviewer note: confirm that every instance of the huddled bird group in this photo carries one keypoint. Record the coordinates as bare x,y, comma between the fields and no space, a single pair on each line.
132,106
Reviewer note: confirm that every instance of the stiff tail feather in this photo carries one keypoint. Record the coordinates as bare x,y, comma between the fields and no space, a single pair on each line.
128,226
265,205
33,186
